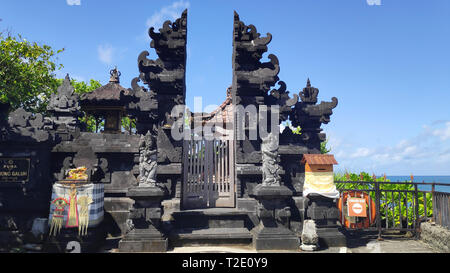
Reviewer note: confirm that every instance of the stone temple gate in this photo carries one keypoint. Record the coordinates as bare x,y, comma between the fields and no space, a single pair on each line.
158,190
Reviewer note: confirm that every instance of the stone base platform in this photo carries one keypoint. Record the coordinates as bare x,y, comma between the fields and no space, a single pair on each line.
215,226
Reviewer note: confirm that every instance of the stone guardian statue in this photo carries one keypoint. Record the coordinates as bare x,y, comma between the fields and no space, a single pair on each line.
270,166
147,160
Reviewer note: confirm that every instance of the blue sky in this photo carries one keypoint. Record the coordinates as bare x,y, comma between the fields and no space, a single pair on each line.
388,62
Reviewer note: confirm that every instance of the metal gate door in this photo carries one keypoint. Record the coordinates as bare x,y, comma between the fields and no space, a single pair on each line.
208,174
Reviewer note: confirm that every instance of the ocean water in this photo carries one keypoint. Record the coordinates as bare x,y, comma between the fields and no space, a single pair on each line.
428,178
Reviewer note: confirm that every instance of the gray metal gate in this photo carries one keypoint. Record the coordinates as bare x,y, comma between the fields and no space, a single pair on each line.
208,167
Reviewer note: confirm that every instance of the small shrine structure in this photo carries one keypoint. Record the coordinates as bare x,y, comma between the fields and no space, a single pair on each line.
107,103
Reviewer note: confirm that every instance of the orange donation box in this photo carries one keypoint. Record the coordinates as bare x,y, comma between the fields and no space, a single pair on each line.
319,176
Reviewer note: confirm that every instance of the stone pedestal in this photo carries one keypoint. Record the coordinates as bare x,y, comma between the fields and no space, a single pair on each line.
310,239
144,233
273,233
325,214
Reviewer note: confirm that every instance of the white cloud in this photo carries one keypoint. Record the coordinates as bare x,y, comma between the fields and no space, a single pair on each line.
105,53
73,2
171,12
62,74
361,152
428,152
373,2
443,133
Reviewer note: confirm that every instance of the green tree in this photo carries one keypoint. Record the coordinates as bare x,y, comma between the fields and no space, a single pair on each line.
323,147
27,76
128,125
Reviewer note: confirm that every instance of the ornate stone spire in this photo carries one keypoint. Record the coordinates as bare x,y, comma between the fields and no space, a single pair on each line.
115,74
309,94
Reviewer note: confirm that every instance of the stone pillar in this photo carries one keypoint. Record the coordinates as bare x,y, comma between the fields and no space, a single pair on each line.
144,225
325,214
273,233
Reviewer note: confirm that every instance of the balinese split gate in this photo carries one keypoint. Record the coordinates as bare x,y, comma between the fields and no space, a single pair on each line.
210,186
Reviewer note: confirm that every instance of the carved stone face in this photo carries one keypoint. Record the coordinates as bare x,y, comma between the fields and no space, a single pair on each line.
270,142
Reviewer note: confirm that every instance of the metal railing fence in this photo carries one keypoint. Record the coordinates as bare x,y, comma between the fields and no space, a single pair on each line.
399,205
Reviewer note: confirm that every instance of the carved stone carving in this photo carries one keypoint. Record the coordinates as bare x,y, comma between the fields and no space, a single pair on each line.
166,79
281,97
64,108
310,116
147,160
252,80
250,76
25,125
166,75
143,105
270,160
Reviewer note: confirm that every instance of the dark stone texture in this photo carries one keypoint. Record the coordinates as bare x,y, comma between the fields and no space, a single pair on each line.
331,237
210,218
25,127
273,233
142,242
89,243
309,116
144,225
24,138
298,206
111,157
210,226
118,211
294,175
252,79
324,212
169,150
64,109
166,75
210,236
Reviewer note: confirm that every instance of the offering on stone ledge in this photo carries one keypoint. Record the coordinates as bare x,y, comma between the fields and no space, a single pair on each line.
78,174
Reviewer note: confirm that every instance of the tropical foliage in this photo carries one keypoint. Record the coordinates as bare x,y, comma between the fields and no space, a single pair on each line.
27,73
27,79
392,195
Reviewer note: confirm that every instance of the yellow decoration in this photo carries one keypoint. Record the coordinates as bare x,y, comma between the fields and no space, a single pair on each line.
84,202
78,174
72,217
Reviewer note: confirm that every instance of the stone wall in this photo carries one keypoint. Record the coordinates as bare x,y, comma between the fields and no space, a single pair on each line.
436,236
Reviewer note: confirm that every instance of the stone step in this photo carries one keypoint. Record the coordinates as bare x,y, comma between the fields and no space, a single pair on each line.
210,236
210,218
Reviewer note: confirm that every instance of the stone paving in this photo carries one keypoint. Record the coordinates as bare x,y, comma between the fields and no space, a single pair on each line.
355,244
386,246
